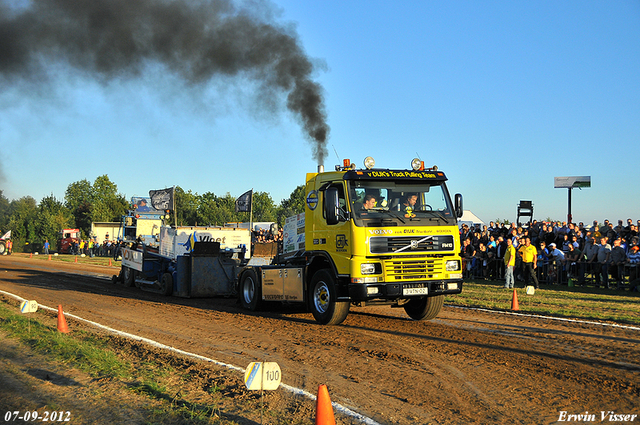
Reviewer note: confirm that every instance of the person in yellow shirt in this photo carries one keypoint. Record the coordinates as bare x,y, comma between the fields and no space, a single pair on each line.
530,262
509,263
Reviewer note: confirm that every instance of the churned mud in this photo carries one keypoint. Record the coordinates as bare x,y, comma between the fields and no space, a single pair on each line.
463,367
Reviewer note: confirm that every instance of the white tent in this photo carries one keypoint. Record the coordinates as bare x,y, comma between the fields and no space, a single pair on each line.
470,219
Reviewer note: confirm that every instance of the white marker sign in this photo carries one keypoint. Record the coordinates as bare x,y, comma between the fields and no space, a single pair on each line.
28,307
262,376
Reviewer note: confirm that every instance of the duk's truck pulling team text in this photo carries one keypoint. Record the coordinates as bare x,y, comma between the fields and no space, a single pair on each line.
367,237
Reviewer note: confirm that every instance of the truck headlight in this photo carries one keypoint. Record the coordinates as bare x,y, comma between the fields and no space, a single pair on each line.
367,268
452,265
365,280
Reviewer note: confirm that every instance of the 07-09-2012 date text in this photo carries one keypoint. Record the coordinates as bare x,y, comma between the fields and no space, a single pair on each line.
32,416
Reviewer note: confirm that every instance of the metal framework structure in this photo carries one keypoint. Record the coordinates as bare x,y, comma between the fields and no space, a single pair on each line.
525,209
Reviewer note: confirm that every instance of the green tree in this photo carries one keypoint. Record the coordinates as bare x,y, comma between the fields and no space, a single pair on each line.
79,199
108,204
186,208
216,211
97,202
22,222
264,209
504,222
51,217
219,210
4,213
292,205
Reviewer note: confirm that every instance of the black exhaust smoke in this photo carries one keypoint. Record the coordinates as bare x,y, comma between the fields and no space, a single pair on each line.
197,41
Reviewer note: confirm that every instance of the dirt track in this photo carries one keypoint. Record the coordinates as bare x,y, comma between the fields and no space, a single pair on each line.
464,367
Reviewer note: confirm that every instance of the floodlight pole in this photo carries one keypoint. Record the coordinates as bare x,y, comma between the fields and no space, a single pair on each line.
570,183
569,210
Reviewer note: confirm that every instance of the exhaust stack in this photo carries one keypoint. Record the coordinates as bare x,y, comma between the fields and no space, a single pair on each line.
320,169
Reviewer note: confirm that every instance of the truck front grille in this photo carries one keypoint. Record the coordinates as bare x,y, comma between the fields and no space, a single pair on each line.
413,269
406,244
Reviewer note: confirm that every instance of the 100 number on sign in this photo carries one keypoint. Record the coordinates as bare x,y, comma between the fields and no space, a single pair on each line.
262,376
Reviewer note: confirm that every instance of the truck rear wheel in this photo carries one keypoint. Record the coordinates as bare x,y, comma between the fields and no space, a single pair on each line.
324,305
250,292
424,308
166,284
2,247
128,276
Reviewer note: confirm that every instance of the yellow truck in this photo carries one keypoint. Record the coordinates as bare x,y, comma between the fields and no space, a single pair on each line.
368,236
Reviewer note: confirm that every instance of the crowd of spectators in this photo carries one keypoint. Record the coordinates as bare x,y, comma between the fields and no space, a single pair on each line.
92,248
111,248
267,236
566,252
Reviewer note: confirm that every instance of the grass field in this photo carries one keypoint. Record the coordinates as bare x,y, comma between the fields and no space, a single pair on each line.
182,393
585,303
65,258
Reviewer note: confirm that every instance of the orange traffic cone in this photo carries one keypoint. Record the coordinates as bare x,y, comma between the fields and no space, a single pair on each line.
31,255
49,258
109,262
324,410
514,301
62,322
76,259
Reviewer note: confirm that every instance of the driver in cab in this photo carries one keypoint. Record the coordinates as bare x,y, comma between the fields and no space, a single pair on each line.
410,205
369,202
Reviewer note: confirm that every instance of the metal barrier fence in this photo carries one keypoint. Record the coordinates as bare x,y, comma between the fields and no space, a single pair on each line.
559,273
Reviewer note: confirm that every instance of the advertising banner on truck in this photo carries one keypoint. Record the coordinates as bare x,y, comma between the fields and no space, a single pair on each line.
180,241
132,259
293,234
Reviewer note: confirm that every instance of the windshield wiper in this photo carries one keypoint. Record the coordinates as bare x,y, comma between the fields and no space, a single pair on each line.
390,214
441,216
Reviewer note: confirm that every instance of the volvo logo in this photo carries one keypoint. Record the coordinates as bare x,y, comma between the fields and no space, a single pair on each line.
312,200
414,244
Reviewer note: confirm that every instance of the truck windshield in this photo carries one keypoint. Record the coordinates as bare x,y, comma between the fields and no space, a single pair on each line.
374,203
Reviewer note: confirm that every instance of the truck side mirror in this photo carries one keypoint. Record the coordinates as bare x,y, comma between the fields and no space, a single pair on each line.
458,205
331,208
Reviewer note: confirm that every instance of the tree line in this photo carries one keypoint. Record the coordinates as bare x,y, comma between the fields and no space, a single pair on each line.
31,223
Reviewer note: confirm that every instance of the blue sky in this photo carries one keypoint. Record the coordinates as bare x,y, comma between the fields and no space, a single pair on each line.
502,96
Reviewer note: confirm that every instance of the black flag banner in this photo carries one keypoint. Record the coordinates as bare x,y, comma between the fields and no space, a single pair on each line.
162,199
243,203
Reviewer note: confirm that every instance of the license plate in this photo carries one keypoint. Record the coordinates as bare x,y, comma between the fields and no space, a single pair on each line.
415,291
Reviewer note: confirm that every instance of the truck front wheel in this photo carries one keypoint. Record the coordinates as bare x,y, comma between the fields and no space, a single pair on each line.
424,308
324,305
250,292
